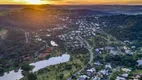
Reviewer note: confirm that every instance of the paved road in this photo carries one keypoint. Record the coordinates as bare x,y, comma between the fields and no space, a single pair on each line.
84,42
88,47
27,37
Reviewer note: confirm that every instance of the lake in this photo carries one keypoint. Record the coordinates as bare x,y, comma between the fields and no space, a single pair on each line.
38,65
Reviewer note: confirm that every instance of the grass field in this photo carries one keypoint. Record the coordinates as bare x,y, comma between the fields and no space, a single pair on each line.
137,71
63,71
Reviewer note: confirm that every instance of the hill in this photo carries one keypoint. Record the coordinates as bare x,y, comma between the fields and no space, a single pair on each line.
31,18
124,27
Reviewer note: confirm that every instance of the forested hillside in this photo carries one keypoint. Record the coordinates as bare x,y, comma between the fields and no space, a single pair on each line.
123,27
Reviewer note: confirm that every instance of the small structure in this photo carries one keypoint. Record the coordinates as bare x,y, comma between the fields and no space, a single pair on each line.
96,78
3,34
45,53
27,58
83,77
97,63
126,70
53,43
120,78
104,72
108,66
89,72
124,75
136,77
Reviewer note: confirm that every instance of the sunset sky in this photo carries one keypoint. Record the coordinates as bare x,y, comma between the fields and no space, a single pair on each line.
72,2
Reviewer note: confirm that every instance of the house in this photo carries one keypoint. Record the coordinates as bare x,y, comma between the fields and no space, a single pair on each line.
127,50
45,53
104,72
97,50
136,77
27,58
133,47
108,66
42,56
126,70
120,78
113,52
96,78
83,77
38,39
53,43
91,71
97,63
48,50
124,75
3,34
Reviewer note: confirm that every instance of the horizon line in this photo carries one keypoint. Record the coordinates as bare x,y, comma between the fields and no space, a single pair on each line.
76,4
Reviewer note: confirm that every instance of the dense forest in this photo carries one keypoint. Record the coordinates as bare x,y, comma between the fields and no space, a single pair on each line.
124,27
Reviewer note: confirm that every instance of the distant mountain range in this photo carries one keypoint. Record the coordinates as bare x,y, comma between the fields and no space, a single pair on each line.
119,9
33,18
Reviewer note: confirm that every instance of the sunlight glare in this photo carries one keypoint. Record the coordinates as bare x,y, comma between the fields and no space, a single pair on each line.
34,1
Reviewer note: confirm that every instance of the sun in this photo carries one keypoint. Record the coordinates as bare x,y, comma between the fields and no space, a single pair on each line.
33,1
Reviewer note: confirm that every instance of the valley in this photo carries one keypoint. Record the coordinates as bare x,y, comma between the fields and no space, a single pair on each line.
101,45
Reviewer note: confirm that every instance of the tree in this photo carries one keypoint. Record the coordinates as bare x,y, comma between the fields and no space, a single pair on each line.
1,71
114,75
47,57
26,67
61,76
32,76
129,61
140,66
68,66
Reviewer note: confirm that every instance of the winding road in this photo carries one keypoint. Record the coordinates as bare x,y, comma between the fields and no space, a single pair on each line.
89,48
27,37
